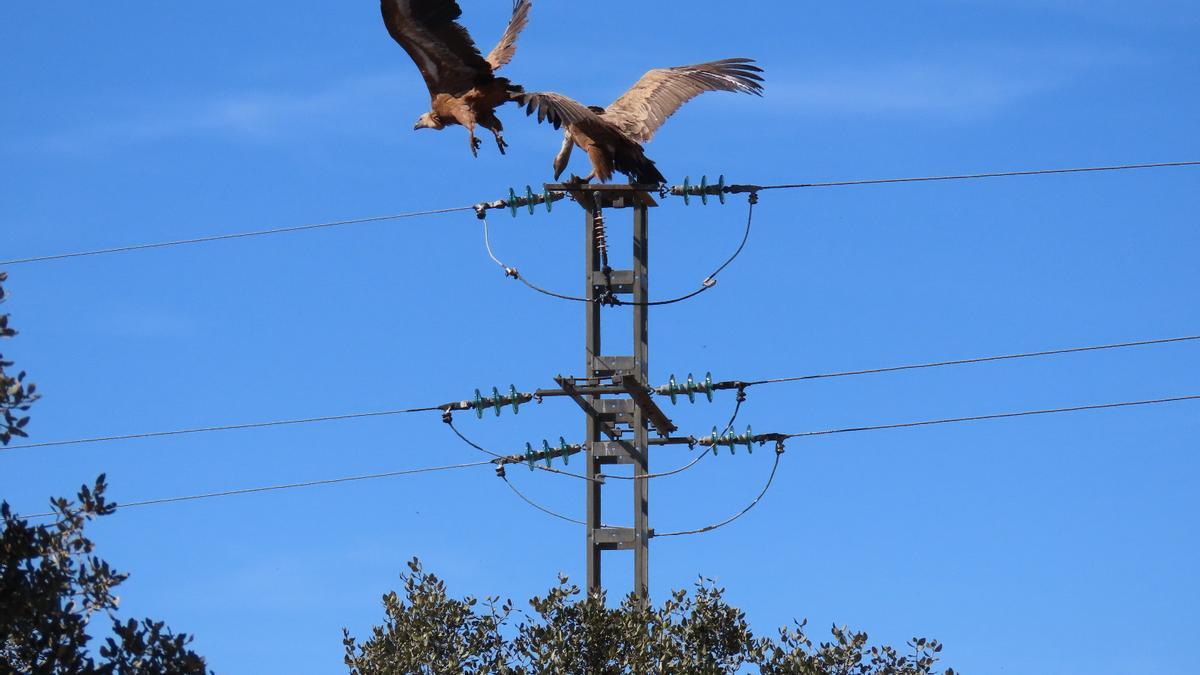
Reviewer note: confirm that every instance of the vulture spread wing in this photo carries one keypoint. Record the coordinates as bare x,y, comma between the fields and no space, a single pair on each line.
504,50
661,92
442,49
614,149
562,110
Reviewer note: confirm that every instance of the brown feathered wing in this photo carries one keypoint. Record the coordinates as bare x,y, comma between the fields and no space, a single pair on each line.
617,151
441,47
503,52
654,98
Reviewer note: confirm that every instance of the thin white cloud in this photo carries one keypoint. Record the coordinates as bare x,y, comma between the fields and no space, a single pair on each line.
1180,14
248,116
145,323
952,85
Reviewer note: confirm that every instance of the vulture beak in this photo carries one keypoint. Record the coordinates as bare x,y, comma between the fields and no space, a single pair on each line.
417,126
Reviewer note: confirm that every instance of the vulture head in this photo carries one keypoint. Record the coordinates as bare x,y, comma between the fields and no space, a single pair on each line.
429,121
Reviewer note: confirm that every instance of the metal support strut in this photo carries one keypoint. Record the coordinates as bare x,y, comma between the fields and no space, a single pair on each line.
618,427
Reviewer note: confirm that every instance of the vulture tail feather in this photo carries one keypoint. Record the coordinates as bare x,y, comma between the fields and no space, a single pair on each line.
633,162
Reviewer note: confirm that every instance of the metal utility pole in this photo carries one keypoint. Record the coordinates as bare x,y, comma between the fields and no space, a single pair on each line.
615,389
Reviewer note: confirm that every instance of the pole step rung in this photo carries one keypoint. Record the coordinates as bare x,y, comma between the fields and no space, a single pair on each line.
610,366
614,538
614,452
616,281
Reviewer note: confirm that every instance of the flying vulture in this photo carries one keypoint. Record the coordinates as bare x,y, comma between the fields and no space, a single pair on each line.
462,83
613,136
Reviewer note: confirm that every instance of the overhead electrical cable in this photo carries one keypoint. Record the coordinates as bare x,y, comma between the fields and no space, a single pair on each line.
501,203
978,418
728,427
450,423
235,235
978,176
539,507
763,438
779,438
231,427
441,408
707,283
285,486
984,359
736,516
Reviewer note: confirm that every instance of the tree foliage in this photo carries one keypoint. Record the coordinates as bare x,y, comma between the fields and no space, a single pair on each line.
15,394
568,632
52,586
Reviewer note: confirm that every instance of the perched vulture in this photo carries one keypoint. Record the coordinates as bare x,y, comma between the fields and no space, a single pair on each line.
613,136
462,83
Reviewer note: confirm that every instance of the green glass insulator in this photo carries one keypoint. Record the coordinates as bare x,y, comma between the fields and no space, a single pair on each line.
478,405
672,388
548,453
691,388
515,398
497,401
686,188
532,200
512,201
530,456
549,201
721,185
749,439
704,190
566,451
715,442
708,386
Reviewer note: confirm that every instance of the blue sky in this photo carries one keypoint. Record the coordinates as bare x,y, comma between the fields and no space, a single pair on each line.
1057,545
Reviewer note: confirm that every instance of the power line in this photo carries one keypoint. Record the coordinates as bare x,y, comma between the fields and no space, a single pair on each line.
725,385
708,282
739,514
286,486
984,359
504,203
555,514
977,176
762,438
231,427
780,438
506,458
977,418
237,235
539,507
728,428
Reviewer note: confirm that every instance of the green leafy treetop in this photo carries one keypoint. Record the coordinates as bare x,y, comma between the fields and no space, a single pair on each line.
52,586
567,633
15,395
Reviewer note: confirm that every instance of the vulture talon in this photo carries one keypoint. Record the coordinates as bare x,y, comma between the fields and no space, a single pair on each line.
502,144
475,145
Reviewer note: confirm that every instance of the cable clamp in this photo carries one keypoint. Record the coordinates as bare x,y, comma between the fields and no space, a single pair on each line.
481,210
500,470
754,197
608,299
709,282
447,416
741,394
512,272
779,449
